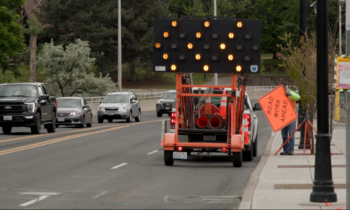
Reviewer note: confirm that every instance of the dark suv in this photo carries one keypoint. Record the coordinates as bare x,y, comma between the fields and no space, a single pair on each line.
27,105
166,103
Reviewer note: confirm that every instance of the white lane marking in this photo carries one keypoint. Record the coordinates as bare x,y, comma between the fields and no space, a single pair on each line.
166,199
152,152
118,166
40,193
102,193
35,200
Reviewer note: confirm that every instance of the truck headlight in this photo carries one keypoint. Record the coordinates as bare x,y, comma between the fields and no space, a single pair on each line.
100,108
31,107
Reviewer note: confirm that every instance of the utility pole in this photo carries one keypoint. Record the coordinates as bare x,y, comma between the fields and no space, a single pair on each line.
301,111
119,47
323,187
216,74
347,27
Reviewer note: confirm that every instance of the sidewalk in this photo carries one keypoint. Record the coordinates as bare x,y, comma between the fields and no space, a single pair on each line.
285,182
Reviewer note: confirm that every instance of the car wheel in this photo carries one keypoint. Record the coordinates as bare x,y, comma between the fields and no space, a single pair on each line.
100,120
255,145
83,123
51,128
159,114
168,158
6,130
129,118
138,118
89,125
110,120
37,127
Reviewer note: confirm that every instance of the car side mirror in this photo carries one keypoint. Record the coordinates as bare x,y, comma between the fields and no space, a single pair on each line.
44,97
257,107
133,101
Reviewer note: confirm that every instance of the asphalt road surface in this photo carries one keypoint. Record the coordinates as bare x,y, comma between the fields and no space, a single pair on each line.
115,165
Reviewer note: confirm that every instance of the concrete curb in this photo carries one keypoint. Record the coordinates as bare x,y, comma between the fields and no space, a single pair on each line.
247,198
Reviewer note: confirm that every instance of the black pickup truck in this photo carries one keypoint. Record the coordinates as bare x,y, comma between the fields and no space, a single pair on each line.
27,105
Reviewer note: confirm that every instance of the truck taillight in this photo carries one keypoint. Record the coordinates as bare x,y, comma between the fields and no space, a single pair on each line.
172,119
248,119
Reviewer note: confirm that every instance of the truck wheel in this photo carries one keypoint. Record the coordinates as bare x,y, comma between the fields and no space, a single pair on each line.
248,155
37,127
159,114
169,114
138,118
255,146
168,158
237,159
110,120
100,120
6,130
51,128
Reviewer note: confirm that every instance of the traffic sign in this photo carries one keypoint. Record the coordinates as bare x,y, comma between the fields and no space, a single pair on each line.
277,108
343,72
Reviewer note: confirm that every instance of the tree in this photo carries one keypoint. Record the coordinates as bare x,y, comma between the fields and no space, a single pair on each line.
179,6
68,70
6,77
34,30
11,37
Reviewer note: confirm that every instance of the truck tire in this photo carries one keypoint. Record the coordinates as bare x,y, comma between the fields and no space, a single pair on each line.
248,155
6,129
110,120
100,120
168,158
51,128
255,145
159,114
237,159
138,118
37,127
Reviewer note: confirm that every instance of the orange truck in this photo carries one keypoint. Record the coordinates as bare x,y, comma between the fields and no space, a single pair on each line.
208,45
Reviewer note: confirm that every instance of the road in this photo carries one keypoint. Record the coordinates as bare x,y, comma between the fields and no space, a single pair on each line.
115,166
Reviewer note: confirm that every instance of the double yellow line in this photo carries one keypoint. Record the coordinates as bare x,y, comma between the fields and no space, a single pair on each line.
31,146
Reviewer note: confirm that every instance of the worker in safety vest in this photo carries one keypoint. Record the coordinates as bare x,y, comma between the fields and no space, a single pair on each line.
288,148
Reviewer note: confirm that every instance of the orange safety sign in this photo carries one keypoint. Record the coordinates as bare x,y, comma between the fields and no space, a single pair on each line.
277,108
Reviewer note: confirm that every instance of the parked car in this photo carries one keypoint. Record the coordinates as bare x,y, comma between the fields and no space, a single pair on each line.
166,103
27,105
119,105
73,111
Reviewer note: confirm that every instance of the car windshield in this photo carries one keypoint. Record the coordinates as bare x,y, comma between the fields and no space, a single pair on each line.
169,95
122,98
69,103
18,91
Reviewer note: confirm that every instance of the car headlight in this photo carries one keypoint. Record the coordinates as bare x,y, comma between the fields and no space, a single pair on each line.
101,108
74,113
122,108
31,107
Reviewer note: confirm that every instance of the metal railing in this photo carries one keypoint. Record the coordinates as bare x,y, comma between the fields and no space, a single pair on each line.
260,87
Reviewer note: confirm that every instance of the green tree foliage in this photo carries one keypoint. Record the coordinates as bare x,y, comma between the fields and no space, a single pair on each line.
11,37
68,70
96,21
6,77
179,6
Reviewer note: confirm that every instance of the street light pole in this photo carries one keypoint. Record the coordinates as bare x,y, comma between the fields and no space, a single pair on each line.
216,74
119,47
323,188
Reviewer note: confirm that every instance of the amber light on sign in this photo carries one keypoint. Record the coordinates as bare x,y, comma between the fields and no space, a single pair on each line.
198,57
157,45
222,46
190,46
174,23
205,68
198,35
166,34
231,35
239,24
173,67
230,57
206,24
239,68
165,56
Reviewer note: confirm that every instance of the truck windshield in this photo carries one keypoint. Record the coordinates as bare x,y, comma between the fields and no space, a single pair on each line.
18,91
123,98
69,103
169,95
